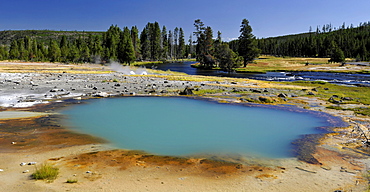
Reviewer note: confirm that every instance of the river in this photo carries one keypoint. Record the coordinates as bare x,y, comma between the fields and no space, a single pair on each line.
336,78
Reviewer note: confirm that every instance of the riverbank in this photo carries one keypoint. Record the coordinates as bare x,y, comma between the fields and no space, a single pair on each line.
266,63
97,167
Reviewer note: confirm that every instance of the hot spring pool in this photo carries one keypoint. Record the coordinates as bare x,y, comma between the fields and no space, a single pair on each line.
182,126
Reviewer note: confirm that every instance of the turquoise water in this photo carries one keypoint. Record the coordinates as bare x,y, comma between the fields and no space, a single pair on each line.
182,126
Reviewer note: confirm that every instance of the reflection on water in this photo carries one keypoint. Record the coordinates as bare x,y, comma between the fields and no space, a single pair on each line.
181,126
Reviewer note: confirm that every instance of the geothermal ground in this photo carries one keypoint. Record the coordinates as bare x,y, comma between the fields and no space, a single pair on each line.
31,133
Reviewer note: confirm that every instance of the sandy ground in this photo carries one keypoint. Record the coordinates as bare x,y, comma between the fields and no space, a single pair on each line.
98,167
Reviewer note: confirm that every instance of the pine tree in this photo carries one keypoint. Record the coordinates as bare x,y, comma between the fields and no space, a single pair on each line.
14,50
135,41
74,53
228,60
110,40
126,52
155,41
170,44
23,53
337,54
208,43
54,51
84,52
3,53
181,47
64,49
145,43
247,43
164,40
191,47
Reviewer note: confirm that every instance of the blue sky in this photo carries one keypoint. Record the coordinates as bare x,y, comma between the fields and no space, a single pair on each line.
268,18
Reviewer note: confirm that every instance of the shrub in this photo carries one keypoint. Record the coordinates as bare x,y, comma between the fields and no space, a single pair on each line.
72,181
46,172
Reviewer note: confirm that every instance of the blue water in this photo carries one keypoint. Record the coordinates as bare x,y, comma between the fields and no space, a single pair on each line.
182,126
336,78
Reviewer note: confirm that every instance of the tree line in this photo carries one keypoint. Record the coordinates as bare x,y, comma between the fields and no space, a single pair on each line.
116,44
214,53
328,41
126,45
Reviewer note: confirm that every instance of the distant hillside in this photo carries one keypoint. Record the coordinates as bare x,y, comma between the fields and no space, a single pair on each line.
351,42
344,42
6,37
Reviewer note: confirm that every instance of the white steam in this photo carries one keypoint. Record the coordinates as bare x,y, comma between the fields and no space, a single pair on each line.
115,66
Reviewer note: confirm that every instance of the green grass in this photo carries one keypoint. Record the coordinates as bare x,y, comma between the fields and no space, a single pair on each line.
357,110
207,91
71,181
46,172
327,90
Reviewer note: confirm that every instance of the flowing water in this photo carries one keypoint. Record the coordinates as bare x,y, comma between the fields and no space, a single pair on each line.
337,78
183,126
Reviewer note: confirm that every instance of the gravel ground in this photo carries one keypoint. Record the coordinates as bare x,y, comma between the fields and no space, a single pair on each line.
23,90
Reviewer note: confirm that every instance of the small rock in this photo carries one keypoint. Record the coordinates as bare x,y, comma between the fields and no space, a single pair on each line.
256,91
347,98
102,94
283,95
310,93
1,170
13,143
88,171
187,91
32,163
326,168
26,171
22,164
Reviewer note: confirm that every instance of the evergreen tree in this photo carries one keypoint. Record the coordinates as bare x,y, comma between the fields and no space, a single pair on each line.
14,50
247,43
228,60
54,51
164,40
135,41
181,47
23,53
74,53
126,52
33,51
145,43
64,49
28,48
3,53
110,40
170,44
175,42
208,43
217,45
84,52
42,52
338,55
155,40
191,47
